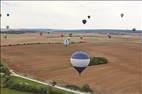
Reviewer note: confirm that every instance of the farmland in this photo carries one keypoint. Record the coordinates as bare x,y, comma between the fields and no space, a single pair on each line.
50,60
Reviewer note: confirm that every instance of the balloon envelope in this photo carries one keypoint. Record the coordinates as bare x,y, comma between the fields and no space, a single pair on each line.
62,35
84,21
66,42
8,14
40,33
89,17
80,60
121,15
7,27
134,29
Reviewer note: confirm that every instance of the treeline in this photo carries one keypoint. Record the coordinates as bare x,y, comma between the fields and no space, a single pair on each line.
20,44
23,86
4,74
11,31
98,61
84,88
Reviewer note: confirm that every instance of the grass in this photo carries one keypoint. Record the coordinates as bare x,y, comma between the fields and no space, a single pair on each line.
18,80
53,90
22,80
11,91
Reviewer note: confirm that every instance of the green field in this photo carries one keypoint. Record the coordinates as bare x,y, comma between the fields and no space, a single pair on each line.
12,91
35,84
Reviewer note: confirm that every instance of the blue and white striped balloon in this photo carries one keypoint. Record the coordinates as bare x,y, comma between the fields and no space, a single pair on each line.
80,60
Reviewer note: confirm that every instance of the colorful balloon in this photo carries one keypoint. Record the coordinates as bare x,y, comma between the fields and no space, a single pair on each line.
80,60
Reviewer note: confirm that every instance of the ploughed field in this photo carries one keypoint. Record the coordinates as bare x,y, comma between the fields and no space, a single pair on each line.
122,75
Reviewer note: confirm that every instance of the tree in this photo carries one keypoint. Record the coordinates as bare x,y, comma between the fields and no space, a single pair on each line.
87,88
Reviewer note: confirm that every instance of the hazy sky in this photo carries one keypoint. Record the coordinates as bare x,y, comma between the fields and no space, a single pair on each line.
69,14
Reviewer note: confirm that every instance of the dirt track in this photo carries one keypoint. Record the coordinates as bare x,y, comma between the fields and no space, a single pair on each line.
122,75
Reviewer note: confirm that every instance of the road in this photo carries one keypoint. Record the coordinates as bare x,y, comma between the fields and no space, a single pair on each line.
56,86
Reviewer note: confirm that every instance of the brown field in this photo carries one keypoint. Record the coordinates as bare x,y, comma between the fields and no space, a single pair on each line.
122,75
55,38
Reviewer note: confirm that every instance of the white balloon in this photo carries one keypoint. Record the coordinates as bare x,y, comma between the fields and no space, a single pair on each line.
66,42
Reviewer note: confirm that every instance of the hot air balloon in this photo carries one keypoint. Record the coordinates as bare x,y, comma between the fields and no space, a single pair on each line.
40,33
84,21
7,27
7,14
62,35
0,15
108,35
5,37
89,17
121,15
81,38
80,60
70,35
134,29
66,42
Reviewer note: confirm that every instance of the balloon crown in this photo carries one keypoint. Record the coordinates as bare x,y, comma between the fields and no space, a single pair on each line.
80,55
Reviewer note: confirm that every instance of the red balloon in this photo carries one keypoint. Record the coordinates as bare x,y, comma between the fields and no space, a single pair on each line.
40,33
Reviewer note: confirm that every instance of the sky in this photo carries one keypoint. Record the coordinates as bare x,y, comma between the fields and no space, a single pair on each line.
69,14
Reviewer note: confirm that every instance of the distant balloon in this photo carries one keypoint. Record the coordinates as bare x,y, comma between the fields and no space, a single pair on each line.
89,17
121,15
80,60
81,37
84,21
70,35
108,35
7,14
5,37
134,29
0,15
62,35
66,42
40,33
7,27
